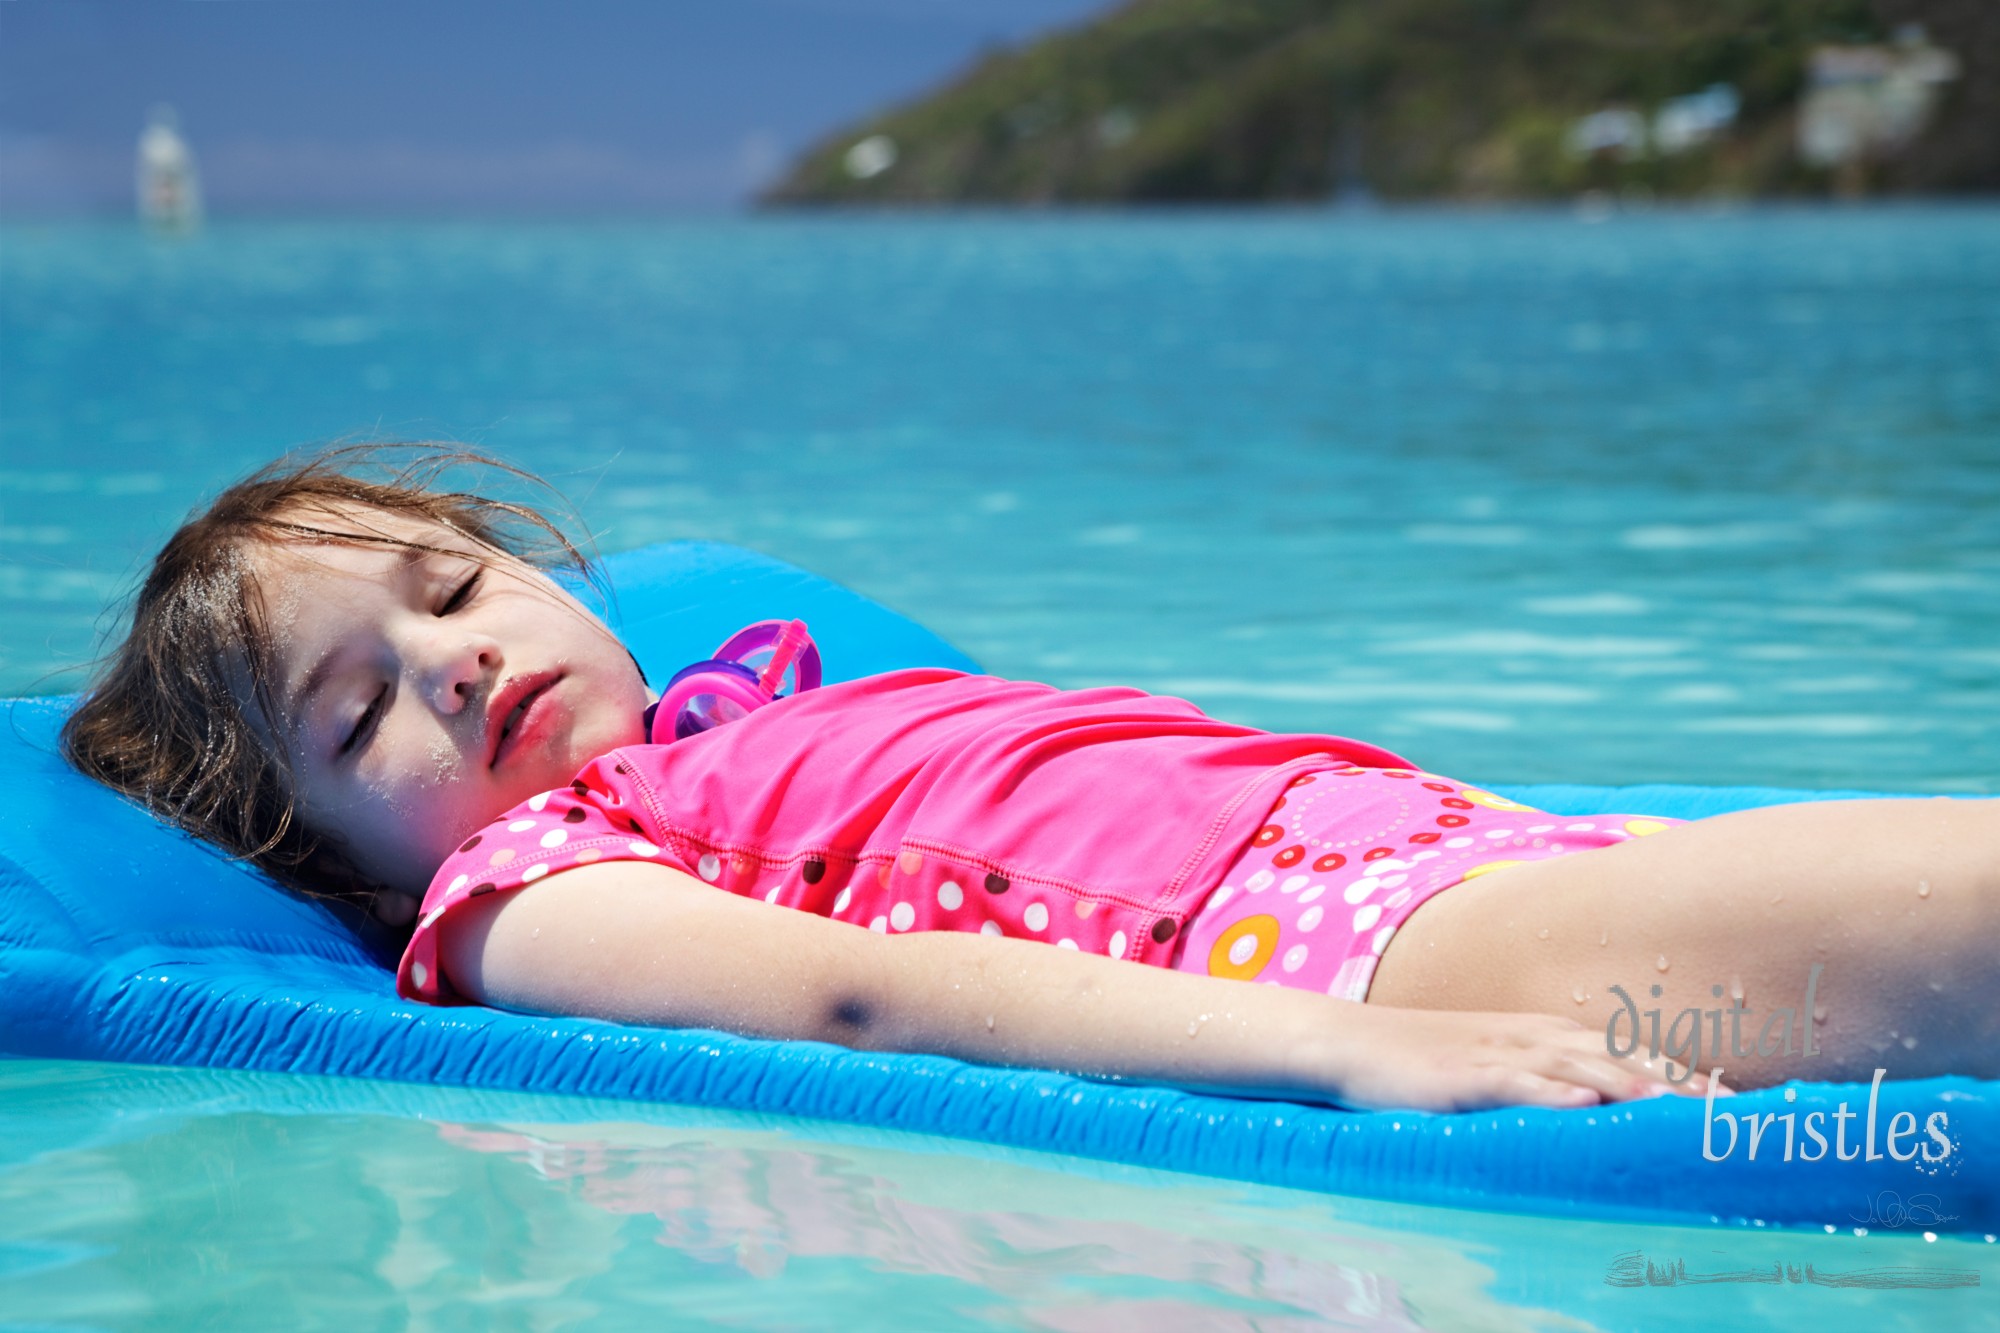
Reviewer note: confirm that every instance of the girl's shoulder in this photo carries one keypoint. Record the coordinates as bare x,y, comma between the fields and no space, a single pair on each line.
596,817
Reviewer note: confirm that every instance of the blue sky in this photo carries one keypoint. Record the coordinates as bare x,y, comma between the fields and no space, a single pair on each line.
441,106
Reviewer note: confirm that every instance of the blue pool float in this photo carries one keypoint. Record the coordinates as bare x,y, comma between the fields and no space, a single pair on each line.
135,943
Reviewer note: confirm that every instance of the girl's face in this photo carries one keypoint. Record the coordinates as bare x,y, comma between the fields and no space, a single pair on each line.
425,693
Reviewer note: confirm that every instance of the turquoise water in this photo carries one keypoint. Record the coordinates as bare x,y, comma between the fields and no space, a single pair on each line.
1698,498
137,1199
1677,497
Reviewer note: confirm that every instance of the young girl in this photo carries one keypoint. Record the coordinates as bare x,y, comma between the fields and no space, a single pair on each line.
372,689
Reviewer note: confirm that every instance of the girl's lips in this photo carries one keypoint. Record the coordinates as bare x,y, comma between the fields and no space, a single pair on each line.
529,711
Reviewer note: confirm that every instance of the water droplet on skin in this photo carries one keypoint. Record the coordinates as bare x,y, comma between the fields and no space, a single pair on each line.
1661,963
1819,1013
1923,888
1909,1043
1542,934
1735,988
1604,937
538,933
989,1022
1579,995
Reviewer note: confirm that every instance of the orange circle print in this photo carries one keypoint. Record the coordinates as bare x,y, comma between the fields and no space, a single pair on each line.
1242,950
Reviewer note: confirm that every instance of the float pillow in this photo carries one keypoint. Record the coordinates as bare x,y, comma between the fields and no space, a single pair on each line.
121,939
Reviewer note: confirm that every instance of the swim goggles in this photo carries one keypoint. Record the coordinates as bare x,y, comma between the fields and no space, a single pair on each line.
749,670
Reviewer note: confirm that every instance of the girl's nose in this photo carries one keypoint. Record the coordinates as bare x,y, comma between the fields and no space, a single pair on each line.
460,671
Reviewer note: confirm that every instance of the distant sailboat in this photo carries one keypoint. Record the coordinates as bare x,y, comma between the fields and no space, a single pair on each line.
169,187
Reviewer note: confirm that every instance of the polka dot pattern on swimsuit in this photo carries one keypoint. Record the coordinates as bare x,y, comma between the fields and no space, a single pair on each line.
1347,854
601,817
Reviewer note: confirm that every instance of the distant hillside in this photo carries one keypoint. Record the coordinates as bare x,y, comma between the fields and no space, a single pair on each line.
1224,100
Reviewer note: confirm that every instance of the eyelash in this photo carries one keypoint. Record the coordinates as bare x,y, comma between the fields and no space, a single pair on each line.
459,597
461,594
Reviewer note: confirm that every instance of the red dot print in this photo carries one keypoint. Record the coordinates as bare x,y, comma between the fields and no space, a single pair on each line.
1331,861
1437,786
1280,805
1377,853
469,843
1453,821
1288,858
1303,780
1396,773
1425,838
1455,803
1267,835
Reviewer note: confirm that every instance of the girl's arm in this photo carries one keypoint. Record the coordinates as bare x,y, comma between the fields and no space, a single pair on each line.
645,944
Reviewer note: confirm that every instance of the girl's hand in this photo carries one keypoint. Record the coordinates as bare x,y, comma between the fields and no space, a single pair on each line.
1439,1060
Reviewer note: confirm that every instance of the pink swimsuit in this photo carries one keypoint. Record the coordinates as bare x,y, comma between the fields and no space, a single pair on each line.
1105,820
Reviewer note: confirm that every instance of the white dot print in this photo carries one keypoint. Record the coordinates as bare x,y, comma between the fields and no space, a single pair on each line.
880,925
950,896
1578,828
1065,944
648,849
534,872
555,837
459,883
1456,843
1361,888
840,903
772,896
1382,938
520,826
1499,833
1311,917
709,867
1242,950
538,802
902,916
1036,917
1117,946
1222,895
1295,958
1366,918
1259,882
419,974
990,928
1312,894
1293,883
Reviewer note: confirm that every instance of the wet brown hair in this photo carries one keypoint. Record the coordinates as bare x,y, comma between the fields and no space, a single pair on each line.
166,720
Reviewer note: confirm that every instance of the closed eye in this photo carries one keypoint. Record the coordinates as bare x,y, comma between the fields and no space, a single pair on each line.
461,595
365,722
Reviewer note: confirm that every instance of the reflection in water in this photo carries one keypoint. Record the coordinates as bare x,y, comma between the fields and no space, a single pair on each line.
758,1209
143,1199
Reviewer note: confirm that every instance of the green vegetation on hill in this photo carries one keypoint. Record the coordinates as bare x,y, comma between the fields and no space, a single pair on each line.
1299,99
